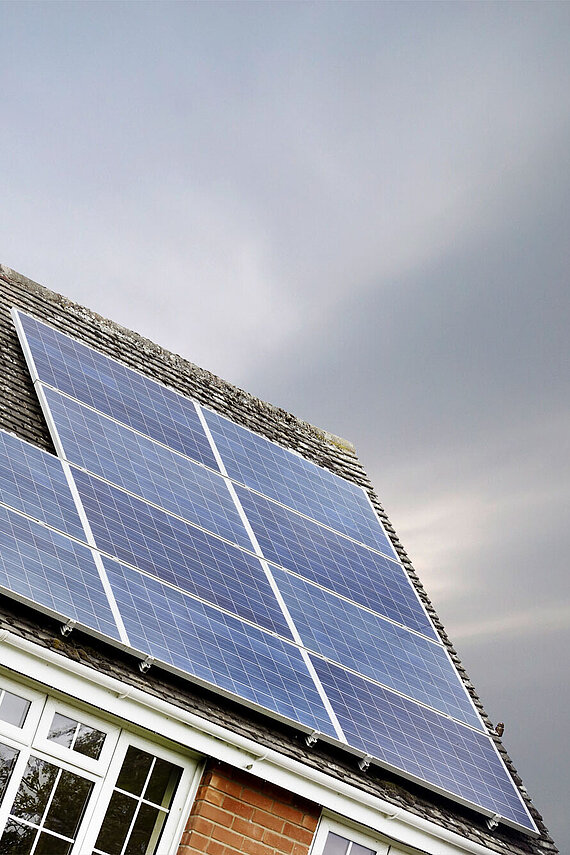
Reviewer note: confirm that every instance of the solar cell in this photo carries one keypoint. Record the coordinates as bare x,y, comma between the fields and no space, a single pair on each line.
181,554
298,483
116,390
33,481
333,561
217,648
50,569
422,743
144,467
371,645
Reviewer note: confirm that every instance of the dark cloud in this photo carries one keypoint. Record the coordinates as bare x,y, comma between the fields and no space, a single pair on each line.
453,383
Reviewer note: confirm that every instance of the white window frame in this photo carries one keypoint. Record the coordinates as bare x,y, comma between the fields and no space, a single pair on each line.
86,840
37,699
61,752
18,771
349,832
31,739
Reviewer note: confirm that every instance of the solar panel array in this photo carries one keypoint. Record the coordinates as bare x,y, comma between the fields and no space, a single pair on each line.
188,538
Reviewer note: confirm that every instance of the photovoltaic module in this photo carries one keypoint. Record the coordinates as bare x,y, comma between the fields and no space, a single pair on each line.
181,535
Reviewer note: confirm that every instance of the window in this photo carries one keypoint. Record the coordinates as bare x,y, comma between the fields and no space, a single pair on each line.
334,838
337,845
72,784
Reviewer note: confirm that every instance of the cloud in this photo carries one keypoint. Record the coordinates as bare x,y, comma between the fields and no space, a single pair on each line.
546,620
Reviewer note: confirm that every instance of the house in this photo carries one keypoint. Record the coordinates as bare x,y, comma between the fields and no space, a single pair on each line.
211,638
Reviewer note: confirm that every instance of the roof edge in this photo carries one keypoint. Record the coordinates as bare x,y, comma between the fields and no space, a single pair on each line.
175,358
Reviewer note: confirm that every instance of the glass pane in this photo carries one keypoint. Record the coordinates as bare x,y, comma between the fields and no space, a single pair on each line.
79,737
163,783
89,741
35,790
17,839
134,772
48,845
14,709
357,849
68,804
146,831
62,730
7,761
335,845
116,823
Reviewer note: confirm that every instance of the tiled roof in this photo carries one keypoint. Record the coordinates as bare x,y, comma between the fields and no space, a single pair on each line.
21,415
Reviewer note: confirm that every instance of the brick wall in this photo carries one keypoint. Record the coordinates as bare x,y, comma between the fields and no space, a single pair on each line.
235,812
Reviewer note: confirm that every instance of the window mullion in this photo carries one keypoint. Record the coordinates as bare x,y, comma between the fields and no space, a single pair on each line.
74,738
138,807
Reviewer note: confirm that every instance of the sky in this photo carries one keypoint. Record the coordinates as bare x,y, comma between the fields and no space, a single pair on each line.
359,212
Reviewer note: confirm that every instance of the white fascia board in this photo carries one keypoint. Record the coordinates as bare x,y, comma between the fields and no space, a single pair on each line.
204,737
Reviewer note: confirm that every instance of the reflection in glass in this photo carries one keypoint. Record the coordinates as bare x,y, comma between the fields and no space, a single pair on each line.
135,819
337,845
35,789
79,737
8,758
62,730
147,827
89,741
13,708
68,804
49,845
52,802
162,783
17,839
134,772
116,823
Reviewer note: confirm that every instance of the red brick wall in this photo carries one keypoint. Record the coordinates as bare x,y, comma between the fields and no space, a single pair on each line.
235,812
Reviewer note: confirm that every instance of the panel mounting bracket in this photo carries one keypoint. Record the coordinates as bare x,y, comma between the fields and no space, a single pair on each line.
312,738
66,628
144,666
493,821
365,762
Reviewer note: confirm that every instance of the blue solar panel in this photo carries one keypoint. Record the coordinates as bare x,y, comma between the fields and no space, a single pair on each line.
176,552
50,569
422,743
33,481
333,561
360,640
307,520
290,479
217,648
116,390
146,468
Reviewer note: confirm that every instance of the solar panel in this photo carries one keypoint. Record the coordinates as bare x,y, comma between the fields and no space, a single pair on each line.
356,638
217,648
167,547
290,479
33,481
421,743
367,668
144,467
45,567
327,558
114,389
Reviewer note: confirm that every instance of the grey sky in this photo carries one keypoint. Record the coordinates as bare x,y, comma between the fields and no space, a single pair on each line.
359,212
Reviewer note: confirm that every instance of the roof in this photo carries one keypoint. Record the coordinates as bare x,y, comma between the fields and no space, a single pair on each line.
20,414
